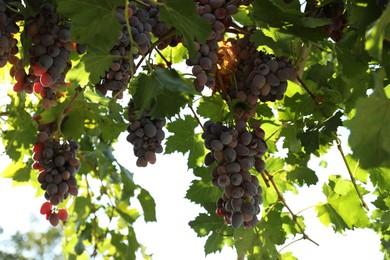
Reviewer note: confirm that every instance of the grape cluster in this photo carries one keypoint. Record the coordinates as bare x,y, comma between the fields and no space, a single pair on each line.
57,165
49,57
51,45
257,75
236,151
146,135
134,45
8,27
335,12
218,14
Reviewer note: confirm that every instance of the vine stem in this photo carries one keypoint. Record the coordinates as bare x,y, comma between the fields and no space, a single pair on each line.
275,131
196,117
289,244
351,174
169,64
308,90
293,216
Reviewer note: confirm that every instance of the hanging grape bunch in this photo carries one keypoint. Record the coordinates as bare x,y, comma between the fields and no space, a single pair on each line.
146,135
8,27
57,165
125,51
236,151
218,14
49,57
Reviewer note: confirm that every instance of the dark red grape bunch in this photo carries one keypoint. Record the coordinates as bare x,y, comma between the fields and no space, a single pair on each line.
335,11
54,215
218,13
8,43
127,47
146,135
57,164
236,151
49,56
51,45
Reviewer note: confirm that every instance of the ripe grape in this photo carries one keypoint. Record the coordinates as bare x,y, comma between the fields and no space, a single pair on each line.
54,219
63,215
46,208
237,220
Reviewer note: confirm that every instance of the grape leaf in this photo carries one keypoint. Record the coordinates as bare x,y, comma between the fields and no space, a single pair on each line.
214,243
310,140
380,177
370,128
343,208
163,92
303,175
128,184
185,140
272,225
93,22
183,16
357,172
18,171
148,205
73,125
213,108
203,224
128,214
91,67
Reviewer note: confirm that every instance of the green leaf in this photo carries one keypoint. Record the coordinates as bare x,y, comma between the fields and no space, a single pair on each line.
291,141
183,16
370,128
303,175
82,206
91,68
148,205
129,215
93,22
18,171
128,184
184,139
343,208
73,125
204,224
272,226
311,22
376,34
214,243
380,177
163,92
173,54
357,172
213,108
310,140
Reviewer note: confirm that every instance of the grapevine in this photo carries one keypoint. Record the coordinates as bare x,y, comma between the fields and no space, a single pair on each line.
249,91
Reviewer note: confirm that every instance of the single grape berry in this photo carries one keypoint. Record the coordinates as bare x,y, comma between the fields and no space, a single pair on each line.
63,215
54,219
46,208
